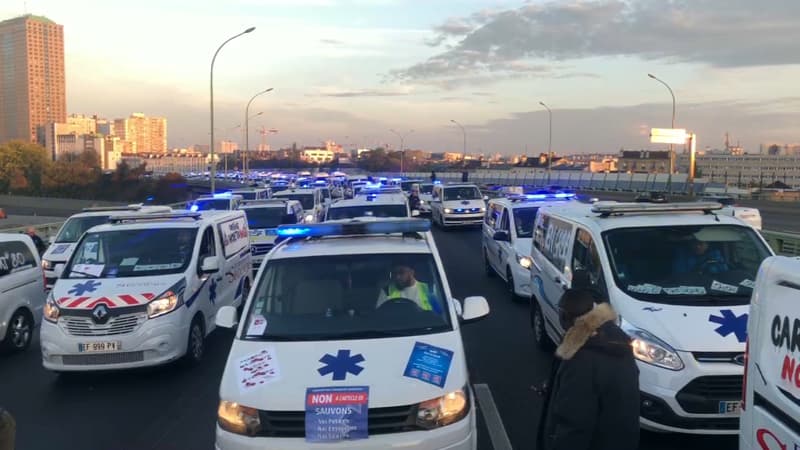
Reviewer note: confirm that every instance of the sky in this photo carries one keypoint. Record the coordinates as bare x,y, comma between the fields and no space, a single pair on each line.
351,70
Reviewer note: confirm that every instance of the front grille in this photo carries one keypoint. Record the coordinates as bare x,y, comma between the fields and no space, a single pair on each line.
702,395
719,357
656,410
102,358
466,210
85,326
292,424
260,249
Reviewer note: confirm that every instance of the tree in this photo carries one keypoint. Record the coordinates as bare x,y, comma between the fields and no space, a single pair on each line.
22,167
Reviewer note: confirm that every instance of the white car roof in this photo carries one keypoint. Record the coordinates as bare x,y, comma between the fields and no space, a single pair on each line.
129,209
170,221
268,203
351,245
308,191
522,204
379,199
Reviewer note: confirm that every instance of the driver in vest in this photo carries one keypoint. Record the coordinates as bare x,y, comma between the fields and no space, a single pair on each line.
405,286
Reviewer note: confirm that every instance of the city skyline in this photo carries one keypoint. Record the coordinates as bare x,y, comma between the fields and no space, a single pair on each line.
349,70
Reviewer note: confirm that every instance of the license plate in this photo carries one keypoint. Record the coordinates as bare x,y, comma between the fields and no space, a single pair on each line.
100,347
730,408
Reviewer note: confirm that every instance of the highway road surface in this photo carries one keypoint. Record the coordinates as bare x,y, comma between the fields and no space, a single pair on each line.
174,408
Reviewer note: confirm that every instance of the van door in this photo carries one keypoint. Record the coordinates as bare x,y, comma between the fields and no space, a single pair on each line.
209,296
587,270
553,240
503,248
490,223
235,260
21,280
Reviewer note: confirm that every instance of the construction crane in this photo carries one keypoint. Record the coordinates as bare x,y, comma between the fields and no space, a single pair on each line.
264,132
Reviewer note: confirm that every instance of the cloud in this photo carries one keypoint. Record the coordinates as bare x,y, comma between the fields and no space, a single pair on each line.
362,93
331,42
733,33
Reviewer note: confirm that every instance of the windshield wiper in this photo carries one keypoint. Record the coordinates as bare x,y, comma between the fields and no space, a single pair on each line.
363,334
86,275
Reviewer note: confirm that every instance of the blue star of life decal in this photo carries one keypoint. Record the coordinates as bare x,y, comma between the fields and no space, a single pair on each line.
729,323
341,364
82,288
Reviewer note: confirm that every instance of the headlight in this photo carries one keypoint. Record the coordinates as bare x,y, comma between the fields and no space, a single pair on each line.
444,410
448,210
525,261
47,265
238,419
483,209
309,218
168,302
652,350
422,202
51,311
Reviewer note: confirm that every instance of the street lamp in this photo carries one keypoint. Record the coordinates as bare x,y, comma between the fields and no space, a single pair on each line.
247,130
549,141
402,147
671,151
464,151
213,60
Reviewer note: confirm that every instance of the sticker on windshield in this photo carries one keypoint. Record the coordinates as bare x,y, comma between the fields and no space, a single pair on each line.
686,290
148,267
258,325
59,249
748,284
429,364
722,287
129,262
257,369
645,288
337,413
90,270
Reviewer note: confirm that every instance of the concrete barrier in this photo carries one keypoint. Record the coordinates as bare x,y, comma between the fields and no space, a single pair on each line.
786,244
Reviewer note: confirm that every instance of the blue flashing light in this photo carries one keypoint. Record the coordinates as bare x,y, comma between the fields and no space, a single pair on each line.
355,228
536,196
437,182
226,194
565,195
194,208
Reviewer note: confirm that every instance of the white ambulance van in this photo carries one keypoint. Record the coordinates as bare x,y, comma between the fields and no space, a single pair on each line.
680,276
143,290
21,291
771,406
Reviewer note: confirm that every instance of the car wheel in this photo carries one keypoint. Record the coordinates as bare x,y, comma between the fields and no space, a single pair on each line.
487,266
539,331
196,346
510,286
19,333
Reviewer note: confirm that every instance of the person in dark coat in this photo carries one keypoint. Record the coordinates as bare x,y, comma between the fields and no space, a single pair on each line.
592,398
37,241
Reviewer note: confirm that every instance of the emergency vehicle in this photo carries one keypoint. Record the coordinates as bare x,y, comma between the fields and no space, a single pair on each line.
331,351
312,199
263,219
143,290
371,205
63,244
23,292
457,205
680,276
771,406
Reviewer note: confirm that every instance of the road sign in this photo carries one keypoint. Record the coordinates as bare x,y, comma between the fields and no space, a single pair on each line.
668,136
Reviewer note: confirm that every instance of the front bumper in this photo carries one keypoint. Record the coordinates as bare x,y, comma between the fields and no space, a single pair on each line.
522,280
666,395
461,435
452,220
153,342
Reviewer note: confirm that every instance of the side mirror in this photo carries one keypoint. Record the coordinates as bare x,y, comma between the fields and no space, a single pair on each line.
210,265
486,198
459,310
475,308
594,200
415,213
501,236
227,317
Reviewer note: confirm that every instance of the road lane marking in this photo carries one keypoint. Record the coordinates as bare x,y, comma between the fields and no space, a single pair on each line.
497,432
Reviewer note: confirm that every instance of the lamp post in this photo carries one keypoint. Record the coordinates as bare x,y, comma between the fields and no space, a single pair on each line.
464,151
671,150
213,60
549,141
402,147
247,131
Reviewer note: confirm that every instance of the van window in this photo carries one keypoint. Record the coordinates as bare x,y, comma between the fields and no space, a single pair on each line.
74,228
208,246
462,193
504,221
14,257
553,237
493,214
586,258
686,265
523,221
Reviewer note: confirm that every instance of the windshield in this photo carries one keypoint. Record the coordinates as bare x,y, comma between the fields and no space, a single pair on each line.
426,189
211,204
462,193
407,185
350,212
132,253
260,218
350,297
307,200
76,226
250,195
686,264
523,221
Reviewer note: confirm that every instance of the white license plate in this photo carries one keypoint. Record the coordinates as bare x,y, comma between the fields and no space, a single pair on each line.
730,408
100,347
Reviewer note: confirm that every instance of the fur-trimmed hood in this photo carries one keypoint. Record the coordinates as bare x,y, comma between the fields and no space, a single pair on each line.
586,329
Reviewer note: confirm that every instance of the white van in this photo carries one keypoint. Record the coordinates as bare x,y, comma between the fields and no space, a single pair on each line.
372,205
263,218
73,228
253,193
312,200
680,276
217,202
143,290
771,406
332,351
457,205
21,291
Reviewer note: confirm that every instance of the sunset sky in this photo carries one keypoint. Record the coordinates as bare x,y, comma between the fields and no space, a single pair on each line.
350,70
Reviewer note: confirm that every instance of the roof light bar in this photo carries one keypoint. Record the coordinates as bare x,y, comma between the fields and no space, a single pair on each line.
609,208
151,217
355,228
113,208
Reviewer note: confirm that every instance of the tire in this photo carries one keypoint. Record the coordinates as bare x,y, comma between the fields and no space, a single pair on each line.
245,294
543,341
196,344
19,333
510,286
488,267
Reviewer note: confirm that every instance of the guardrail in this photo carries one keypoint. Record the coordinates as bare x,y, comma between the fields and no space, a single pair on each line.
786,244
